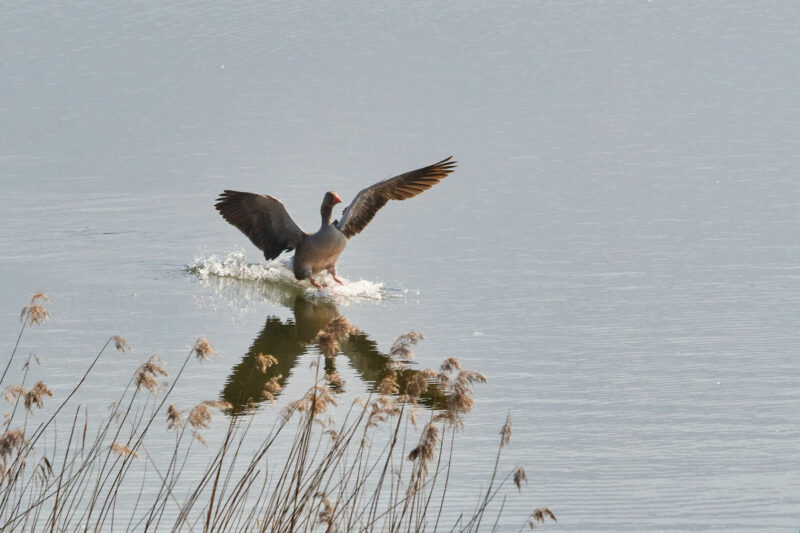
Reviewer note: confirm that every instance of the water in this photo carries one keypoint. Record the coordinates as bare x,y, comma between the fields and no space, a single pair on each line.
617,251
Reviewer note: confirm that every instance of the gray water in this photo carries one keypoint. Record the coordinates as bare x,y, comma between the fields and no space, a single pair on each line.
617,251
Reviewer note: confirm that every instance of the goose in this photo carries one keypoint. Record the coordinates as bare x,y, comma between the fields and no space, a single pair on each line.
265,221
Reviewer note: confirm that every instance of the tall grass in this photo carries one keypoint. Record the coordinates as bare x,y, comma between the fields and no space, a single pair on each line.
368,471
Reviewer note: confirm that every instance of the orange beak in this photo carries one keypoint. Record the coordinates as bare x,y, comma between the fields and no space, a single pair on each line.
336,199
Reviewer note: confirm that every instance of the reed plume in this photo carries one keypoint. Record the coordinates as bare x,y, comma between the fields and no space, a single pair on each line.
122,450
380,410
341,328
458,391
334,379
418,384
39,296
519,477
328,344
388,385
322,398
174,417
203,350
200,415
450,364
13,393
121,344
505,432
36,394
329,338
539,515
11,440
148,372
400,347
425,451
295,406
271,388
35,313
264,361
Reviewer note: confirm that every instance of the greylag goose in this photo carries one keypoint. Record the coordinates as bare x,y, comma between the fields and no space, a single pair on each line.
268,225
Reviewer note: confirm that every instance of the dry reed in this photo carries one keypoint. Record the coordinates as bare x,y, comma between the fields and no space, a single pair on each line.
539,515
121,449
263,362
401,349
519,477
505,432
329,339
334,379
35,396
121,344
271,388
148,372
174,417
35,313
203,350
329,476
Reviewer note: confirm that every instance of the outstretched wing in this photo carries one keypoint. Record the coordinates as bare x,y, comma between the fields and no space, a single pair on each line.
362,209
263,219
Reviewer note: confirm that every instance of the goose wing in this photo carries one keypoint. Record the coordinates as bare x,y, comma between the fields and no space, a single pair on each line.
366,204
263,219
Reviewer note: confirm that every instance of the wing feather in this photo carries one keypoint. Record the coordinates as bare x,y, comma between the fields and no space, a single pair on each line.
263,219
367,202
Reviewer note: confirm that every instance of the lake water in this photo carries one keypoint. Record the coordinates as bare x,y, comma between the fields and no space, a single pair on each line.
618,250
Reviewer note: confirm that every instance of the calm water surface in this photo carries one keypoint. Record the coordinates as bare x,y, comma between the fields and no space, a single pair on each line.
617,251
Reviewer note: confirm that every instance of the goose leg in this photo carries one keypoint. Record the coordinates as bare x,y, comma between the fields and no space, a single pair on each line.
332,271
315,283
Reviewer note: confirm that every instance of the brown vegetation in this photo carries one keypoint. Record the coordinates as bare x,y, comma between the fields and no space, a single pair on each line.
331,476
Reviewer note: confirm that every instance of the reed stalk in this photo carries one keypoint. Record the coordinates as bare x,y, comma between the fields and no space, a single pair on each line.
369,471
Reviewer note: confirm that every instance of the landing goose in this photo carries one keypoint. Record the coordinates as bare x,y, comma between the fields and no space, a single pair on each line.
268,225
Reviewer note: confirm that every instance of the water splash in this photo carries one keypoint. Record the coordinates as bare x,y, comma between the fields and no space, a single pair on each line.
275,280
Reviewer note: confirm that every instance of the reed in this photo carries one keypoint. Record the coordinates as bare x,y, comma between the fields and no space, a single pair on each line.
367,471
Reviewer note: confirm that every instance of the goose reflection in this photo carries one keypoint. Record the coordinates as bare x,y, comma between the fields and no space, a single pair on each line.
288,340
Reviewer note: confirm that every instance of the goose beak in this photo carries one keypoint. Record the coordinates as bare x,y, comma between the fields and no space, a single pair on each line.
336,199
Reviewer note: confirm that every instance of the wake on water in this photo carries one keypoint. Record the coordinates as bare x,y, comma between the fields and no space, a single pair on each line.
277,275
